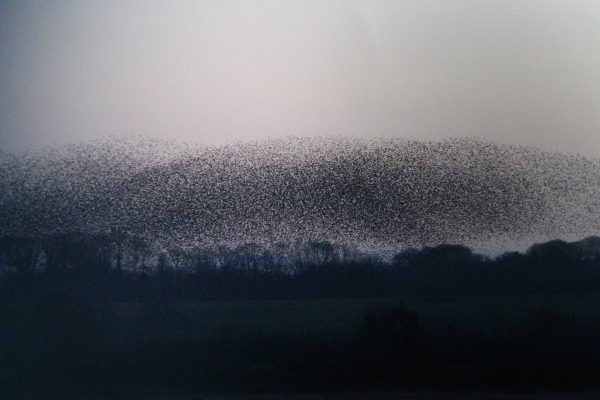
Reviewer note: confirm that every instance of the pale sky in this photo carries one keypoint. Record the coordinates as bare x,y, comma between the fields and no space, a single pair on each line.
525,72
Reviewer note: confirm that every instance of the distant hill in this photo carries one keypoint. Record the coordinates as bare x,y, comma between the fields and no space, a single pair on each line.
375,193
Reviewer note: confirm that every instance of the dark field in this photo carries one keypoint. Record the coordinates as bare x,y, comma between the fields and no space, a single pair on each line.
335,317
468,347
434,321
387,396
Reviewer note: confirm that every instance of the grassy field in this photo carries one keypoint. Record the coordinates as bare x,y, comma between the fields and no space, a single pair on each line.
341,316
386,396
265,345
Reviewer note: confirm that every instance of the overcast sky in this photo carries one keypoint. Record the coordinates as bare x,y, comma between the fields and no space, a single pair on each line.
215,71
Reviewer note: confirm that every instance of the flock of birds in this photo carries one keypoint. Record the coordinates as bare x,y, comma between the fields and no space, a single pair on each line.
375,193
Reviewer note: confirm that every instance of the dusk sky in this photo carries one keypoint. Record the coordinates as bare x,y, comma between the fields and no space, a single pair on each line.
524,72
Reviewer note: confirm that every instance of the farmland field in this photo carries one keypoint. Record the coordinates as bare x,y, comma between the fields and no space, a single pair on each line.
388,396
333,317
246,349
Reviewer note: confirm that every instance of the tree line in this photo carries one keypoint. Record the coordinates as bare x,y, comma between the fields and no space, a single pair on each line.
118,267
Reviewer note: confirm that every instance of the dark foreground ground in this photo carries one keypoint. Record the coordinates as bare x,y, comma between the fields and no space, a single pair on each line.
434,321
471,347
386,396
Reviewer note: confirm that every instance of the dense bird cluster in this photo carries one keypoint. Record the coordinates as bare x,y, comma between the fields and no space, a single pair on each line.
373,193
